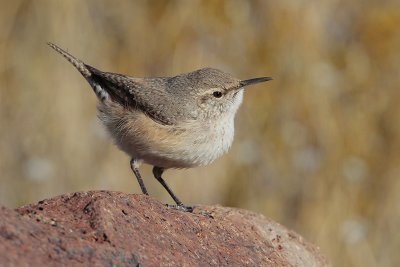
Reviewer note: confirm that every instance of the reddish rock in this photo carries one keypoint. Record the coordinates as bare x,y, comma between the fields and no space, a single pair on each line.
115,229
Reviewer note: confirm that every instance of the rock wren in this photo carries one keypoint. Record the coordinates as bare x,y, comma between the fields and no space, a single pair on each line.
168,122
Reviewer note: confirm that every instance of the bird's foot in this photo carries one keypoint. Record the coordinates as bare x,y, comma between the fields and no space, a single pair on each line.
181,207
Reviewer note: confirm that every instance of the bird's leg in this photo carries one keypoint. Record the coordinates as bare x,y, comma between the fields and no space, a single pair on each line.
135,168
158,171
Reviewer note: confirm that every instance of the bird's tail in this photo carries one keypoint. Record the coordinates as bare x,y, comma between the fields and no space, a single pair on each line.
85,71
74,61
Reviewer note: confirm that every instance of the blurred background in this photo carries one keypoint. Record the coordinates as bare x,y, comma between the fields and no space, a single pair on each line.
317,149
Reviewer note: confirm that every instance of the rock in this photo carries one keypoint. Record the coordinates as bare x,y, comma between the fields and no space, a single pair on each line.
104,228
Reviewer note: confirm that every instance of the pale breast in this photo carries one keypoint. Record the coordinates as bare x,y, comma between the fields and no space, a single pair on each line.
188,145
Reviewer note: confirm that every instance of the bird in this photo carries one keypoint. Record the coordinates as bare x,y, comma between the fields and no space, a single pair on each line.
177,122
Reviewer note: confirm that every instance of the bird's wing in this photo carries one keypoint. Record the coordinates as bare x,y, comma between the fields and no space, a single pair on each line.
149,97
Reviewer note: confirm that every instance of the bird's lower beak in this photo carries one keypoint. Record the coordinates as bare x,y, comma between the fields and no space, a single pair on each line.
244,83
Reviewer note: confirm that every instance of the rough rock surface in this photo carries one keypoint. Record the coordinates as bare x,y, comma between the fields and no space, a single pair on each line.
104,228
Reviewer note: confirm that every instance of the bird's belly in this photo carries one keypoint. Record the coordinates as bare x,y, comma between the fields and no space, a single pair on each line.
185,146
185,150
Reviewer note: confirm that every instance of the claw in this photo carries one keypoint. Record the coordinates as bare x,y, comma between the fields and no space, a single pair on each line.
181,207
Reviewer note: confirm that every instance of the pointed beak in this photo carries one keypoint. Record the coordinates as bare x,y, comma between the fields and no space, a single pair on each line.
244,83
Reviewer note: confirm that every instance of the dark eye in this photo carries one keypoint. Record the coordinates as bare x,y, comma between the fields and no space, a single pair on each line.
217,94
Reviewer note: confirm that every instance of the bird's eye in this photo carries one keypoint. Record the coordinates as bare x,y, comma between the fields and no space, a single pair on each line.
217,94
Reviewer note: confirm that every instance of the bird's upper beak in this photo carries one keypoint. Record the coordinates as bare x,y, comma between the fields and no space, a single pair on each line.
244,83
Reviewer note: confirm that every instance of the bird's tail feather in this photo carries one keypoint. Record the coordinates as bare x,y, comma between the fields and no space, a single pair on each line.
74,61
85,71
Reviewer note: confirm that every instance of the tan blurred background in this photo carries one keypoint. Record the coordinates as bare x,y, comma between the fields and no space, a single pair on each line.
317,149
